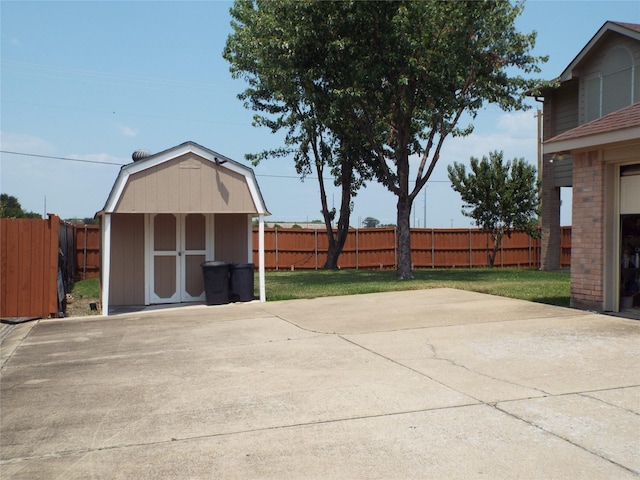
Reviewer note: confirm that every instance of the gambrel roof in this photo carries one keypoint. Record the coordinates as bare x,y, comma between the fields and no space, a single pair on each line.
205,173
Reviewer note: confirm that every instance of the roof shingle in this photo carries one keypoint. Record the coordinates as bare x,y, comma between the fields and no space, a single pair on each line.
619,120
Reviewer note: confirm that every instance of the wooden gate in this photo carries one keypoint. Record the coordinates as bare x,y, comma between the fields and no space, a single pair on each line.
29,267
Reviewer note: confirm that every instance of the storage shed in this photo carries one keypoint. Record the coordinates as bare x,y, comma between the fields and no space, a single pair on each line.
168,213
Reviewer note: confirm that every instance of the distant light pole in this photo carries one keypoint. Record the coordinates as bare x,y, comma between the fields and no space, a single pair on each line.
425,207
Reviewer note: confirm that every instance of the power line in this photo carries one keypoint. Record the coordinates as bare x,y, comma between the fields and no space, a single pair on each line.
68,159
127,80
62,158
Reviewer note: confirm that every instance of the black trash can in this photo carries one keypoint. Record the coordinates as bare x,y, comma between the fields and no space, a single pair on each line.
216,282
242,282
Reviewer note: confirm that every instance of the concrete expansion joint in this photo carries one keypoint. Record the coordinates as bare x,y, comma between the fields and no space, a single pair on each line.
563,438
86,451
293,324
591,397
13,346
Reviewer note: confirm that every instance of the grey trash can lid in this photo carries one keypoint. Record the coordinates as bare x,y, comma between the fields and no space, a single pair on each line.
213,263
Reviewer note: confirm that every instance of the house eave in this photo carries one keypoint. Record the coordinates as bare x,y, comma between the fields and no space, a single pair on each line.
591,142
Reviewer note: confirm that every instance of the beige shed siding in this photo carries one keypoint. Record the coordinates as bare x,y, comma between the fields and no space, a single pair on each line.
127,260
187,184
231,238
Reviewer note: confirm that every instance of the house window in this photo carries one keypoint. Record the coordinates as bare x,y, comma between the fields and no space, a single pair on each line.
615,87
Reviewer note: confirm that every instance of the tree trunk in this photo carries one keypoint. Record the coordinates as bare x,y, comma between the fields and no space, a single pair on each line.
336,243
497,241
403,271
492,257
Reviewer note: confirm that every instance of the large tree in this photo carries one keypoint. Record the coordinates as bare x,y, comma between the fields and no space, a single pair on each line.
392,77
281,49
500,197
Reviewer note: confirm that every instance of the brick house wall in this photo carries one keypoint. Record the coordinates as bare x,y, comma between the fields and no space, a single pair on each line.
587,249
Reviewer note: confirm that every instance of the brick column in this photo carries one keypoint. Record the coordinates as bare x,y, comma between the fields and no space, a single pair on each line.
587,236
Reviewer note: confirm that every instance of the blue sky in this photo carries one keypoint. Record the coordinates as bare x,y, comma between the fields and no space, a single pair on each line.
98,80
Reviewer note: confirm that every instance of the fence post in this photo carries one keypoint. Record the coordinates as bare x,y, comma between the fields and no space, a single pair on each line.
357,250
315,240
395,246
433,249
276,232
470,251
84,255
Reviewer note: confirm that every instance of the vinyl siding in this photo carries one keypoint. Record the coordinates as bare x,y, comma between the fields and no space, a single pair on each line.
591,66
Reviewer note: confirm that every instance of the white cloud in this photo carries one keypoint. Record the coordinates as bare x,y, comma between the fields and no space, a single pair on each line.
24,143
68,188
126,130
515,135
518,124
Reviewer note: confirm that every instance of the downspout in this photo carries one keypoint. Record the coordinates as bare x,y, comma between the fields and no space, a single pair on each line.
263,296
106,262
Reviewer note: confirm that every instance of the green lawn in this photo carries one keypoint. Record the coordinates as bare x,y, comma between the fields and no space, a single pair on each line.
533,285
89,288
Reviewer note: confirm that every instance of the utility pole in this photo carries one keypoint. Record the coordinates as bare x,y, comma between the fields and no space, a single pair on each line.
540,161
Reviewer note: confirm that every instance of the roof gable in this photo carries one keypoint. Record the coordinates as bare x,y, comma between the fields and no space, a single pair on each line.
184,154
631,30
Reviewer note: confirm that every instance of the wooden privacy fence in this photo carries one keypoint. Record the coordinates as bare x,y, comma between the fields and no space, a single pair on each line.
31,282
295,248
87,251
287,248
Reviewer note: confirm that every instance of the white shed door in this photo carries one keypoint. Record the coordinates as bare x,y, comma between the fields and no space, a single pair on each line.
178,248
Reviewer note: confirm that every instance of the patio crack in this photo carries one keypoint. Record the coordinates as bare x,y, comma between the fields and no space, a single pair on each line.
452,362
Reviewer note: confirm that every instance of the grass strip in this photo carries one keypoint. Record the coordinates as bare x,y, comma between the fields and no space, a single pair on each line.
552,288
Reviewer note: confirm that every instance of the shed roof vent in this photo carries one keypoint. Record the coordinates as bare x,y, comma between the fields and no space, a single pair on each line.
140,154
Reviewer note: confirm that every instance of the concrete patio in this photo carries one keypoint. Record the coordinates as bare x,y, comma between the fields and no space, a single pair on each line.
440,384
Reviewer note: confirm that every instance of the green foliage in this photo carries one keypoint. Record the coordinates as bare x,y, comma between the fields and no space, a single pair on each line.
500,197
283,50
10,208
370,222
362,86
